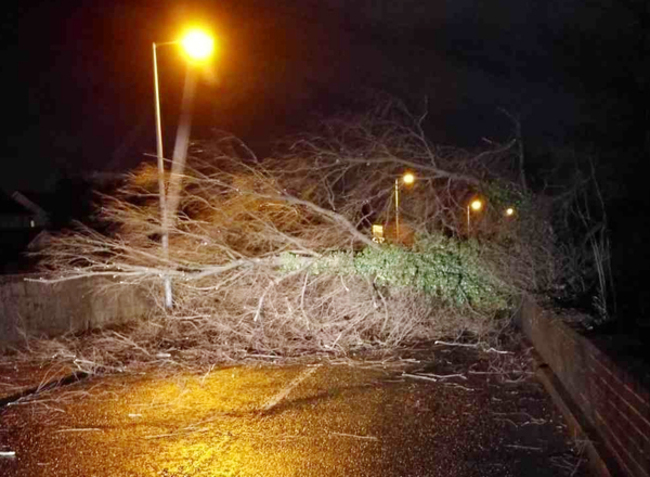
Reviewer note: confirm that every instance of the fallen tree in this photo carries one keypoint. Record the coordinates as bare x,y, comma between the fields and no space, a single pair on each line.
276,256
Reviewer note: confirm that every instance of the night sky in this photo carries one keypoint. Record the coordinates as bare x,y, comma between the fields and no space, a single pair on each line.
78,75
78,84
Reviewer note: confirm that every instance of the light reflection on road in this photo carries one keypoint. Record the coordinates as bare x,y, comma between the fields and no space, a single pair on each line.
274,421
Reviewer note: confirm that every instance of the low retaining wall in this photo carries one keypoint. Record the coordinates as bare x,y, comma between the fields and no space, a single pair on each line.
609,389
40,309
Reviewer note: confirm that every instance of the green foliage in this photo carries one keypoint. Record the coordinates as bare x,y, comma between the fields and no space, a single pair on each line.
437,266
502,194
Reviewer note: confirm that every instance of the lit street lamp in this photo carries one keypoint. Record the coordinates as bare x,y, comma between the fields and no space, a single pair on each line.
198,46
509,212
408,178
476,205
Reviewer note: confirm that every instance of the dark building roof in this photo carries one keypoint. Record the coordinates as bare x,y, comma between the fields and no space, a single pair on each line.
8,206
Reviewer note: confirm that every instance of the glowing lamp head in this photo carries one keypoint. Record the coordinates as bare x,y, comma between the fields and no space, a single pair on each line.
510,211
476,205
408,178
198,45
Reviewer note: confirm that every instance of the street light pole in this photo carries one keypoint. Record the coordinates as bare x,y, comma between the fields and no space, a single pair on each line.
408,178
476,204
161,179
198,46
397,208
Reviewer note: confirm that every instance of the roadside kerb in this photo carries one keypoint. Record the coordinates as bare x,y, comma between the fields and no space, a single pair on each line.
42,387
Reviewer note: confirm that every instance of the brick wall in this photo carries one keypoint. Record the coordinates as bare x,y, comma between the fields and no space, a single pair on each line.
610,389
38,309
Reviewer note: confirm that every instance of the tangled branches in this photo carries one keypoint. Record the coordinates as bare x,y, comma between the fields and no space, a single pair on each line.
239,218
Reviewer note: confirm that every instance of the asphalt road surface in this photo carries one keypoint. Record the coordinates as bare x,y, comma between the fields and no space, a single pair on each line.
450,414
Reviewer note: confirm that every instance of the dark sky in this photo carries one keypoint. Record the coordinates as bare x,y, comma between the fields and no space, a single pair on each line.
77,75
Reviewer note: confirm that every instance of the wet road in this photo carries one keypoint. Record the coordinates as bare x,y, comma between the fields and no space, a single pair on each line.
322,420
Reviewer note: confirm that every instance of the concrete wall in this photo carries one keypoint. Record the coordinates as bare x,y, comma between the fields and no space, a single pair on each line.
41,309
609,388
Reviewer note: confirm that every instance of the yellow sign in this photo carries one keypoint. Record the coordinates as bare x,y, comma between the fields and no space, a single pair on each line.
378,233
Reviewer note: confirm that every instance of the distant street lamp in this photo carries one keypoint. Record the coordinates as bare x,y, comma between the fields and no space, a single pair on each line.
408,178
509,212
198,46
476,205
